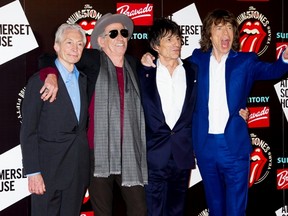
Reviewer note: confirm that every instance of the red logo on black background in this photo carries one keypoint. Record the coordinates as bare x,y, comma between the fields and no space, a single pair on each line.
141,14
86,18
255,31
260,160
280,47
282,179
259,117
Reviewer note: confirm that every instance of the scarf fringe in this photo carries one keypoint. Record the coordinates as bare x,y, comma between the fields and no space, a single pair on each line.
105,175
131,184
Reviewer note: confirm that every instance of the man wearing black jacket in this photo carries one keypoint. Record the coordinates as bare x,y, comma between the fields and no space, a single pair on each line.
116,131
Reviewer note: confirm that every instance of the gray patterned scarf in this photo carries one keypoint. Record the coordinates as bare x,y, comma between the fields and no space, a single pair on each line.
128,159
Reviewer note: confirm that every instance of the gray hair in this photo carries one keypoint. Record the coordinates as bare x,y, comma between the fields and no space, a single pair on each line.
65,26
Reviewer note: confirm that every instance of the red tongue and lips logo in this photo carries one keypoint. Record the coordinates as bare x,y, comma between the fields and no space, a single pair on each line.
88,28
252,36
258,161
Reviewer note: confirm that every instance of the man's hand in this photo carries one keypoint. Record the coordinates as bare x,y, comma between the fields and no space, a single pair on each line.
147,60
244,113
50,88
285,54
36,184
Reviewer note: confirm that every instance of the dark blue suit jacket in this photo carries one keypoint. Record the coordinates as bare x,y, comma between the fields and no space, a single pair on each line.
242,69
53,141
162,142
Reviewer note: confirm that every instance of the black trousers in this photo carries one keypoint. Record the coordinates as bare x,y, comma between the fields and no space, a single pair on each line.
56,202
101,196
167,189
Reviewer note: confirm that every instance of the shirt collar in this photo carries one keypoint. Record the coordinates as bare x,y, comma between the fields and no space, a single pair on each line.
159,64
65,74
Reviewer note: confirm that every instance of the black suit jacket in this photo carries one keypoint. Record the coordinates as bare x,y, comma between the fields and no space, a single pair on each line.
53,141
162,142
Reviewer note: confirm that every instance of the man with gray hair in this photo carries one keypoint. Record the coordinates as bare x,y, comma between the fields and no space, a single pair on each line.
116,131
53,135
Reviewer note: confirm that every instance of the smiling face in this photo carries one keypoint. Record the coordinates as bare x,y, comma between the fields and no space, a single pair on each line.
113,46
69,49
222,36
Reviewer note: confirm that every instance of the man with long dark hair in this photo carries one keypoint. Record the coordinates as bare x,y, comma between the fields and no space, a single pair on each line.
220,136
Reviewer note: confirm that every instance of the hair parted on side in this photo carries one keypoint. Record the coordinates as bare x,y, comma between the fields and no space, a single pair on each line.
65,26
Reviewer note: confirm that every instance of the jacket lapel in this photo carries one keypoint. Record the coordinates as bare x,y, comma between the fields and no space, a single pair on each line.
190,79
205,75
189,87
228,70
83,97
152,91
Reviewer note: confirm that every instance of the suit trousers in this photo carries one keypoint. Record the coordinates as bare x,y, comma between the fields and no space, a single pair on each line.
101,196
166,190
225,177
56,202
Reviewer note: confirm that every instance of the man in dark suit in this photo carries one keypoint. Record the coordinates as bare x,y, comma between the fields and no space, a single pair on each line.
53,135
220,136
168,97
116,131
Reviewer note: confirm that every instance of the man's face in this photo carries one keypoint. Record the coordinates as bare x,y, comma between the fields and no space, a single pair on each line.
169,48
113,46
70,48
222,36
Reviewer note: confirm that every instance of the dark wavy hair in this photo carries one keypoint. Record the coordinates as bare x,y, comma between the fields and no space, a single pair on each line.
161,28
216,17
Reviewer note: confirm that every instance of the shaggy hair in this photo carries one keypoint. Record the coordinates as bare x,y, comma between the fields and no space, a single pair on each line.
216,17
162,27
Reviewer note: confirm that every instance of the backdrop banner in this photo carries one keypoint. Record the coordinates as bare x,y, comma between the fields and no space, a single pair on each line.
16,36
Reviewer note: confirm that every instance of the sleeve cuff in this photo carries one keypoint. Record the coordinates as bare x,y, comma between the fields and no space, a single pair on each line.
32,174
48,70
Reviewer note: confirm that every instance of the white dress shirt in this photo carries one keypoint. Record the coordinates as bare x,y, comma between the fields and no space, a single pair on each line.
172,91
218,108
